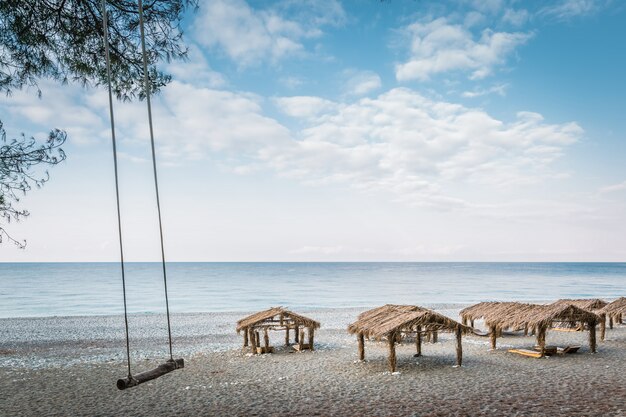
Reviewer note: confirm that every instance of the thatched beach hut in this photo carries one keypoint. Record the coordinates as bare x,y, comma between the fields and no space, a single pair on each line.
593,305
394,322
543,317
278,319
614,311
491,311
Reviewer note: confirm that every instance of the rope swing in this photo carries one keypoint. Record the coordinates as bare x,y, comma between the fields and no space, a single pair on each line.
171,364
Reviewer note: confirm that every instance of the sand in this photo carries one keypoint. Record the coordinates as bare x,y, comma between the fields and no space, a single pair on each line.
67,366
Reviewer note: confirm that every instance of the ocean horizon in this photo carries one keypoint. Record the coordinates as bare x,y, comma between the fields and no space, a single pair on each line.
95,288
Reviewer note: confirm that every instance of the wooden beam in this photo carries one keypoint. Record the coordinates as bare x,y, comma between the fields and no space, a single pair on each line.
541,341
418,342
245,338
252,340
297,334
391,340
459,346
287,336
493,335
311,337
361,340
592,336
602,326
266,340
435,336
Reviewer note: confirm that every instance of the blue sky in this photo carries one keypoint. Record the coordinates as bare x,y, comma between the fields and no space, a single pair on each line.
358,130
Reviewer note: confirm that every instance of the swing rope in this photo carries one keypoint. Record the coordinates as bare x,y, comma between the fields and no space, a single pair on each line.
117,188
172,364
154,168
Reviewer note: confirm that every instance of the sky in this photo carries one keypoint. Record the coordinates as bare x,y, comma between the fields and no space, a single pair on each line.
325,130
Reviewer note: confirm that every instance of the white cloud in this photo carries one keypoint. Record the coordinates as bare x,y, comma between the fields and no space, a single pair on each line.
362,82
516,17
414,148
250,36
196,70
438,47
567,9
499,89
613,188
303,106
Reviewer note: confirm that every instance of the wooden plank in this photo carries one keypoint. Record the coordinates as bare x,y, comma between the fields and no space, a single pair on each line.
526,352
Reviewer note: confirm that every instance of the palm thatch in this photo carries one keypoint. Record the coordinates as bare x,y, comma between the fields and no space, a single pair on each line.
616,307
276,318
392,318
394,322
590,304
498,314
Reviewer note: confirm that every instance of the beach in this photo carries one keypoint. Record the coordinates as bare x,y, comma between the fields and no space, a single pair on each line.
69,366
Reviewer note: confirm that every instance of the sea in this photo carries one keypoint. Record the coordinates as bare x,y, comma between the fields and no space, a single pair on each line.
84,289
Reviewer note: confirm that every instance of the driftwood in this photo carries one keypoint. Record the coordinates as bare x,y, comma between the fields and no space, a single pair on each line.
160,370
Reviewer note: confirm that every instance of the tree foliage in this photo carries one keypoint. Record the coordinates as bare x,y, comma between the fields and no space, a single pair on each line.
62,40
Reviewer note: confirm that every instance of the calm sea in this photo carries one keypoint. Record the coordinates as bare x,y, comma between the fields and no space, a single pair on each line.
68,289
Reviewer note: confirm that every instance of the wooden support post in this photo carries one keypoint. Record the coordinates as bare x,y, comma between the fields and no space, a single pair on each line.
266,340
541,341
257,339
526,330
297,334
428,336
361,339
464,321
391,339
418,342
602,326
459,346
301,337
287,336
493,334
435,336
245,338
533,331
610,322
592,336
311,337
472,323
252,340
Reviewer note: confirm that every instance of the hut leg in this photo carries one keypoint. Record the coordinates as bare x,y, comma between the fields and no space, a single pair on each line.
418,343
602,326
361,339
493,334
252,341
391,339
541,340
428,336
311,336
459,347
533,331
287,336
610,322
245,338
435,337
526,330
592,337
301,337
257,338
297,334
472,323
266,341
464,321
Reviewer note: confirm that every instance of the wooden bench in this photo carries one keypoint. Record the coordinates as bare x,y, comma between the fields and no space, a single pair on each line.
526,352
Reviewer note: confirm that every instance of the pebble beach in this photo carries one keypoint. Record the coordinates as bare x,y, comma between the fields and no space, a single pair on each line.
68,366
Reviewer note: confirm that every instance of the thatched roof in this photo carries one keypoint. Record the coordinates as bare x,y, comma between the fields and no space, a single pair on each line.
616,307
590,304
391,318
546,315
493,310
273,316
